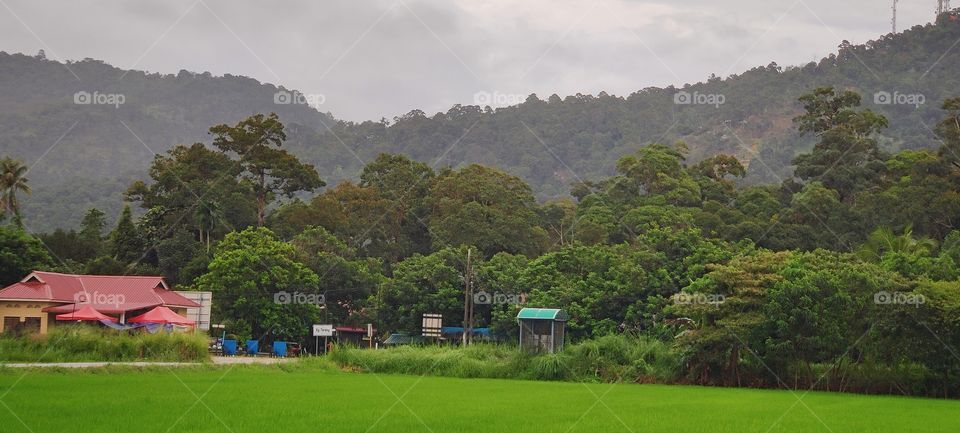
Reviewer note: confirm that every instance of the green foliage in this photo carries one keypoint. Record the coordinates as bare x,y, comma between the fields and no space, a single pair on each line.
81,342
422,284
248,271
486,208
346,281
12,181
20,253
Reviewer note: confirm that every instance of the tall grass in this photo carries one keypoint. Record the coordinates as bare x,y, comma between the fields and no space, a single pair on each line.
86,343
615,358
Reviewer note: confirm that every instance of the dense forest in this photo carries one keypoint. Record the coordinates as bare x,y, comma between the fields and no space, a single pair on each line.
89,154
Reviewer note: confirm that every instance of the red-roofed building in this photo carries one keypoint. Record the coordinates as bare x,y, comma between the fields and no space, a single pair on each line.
34,302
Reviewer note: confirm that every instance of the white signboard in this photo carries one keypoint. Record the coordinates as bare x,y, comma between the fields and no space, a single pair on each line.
323,330
432,324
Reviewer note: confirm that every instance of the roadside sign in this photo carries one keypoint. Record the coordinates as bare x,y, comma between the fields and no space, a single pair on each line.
322,330
432,324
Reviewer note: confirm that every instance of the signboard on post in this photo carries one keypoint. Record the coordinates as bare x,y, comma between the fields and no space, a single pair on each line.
323,330
432,324
370,334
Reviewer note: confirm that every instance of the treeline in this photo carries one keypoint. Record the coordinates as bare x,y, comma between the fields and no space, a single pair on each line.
844,277
548,140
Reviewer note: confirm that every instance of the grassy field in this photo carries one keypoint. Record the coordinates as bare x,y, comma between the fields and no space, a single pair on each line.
311,399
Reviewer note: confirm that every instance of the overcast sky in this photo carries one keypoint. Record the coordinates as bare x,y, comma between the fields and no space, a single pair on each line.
382,58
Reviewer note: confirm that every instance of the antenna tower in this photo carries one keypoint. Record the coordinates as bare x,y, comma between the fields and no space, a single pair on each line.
893,21
943,6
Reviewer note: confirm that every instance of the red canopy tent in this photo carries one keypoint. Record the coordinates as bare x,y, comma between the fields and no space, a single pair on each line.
162,315
85,312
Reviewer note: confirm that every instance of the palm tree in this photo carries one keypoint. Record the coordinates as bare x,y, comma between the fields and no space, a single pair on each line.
207,215
884,240
12,180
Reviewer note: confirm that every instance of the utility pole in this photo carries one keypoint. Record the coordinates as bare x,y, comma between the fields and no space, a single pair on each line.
468,301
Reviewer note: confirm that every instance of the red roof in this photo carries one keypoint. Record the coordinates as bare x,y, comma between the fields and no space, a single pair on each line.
161,315
106,293
85,312
351,329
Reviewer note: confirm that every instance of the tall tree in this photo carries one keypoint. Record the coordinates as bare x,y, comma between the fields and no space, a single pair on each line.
255,275
405,184
271,170
949,130
186,177
91,231
846,158
656,170
486,208
12,181
125,244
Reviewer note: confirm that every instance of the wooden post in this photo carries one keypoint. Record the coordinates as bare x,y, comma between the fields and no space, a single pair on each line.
467,303
472,304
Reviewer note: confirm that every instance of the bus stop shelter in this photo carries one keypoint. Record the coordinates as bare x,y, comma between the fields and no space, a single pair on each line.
542,329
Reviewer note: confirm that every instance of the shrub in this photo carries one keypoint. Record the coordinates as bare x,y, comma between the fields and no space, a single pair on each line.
615,358
87,343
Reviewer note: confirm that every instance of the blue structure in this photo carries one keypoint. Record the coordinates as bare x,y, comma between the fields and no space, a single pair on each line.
253,346
280,348
458,330
230,347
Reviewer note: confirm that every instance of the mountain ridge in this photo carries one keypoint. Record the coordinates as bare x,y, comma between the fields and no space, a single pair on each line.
87,154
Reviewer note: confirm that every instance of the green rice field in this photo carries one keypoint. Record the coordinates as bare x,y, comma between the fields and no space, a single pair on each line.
296,399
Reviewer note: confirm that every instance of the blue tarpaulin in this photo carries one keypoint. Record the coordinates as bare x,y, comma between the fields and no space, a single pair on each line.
459,330
152,328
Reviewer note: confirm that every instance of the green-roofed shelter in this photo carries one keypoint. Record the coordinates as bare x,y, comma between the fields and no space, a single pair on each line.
542,329
401,339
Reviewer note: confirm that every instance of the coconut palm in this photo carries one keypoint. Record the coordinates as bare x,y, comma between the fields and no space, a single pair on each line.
884,240
12,181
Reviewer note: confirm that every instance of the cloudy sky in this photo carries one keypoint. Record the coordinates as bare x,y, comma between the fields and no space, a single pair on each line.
382,58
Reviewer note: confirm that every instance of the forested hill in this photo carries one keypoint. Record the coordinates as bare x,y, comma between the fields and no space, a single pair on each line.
88,154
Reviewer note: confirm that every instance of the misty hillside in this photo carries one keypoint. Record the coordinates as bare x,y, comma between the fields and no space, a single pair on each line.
88,154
